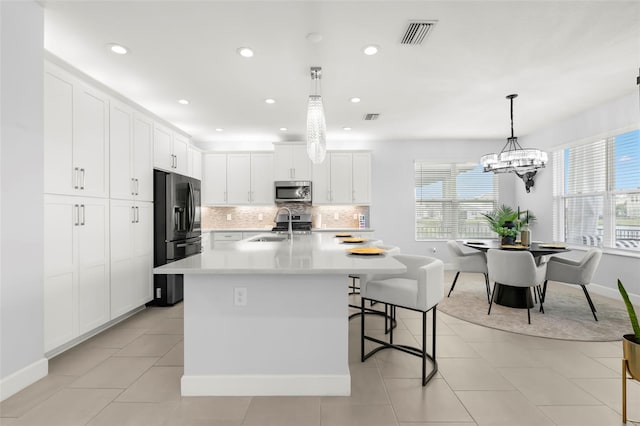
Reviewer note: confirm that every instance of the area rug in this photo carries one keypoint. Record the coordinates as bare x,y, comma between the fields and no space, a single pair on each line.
567,315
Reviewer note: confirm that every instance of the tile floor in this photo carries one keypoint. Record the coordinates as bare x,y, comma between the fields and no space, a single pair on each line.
130,375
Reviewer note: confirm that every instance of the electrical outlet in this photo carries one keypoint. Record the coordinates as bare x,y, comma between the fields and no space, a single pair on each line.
228,217
433,250
260,217
158,293
355,216
336,216
240,296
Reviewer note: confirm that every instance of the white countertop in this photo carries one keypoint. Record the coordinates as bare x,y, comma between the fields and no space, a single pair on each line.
269,229
317,253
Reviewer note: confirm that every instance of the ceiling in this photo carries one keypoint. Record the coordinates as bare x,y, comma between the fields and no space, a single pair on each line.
561,57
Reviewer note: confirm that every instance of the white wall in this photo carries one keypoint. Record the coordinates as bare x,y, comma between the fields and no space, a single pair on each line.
21,202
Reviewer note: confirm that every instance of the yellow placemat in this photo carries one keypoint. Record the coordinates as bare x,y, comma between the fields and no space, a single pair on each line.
353,240
366,250
514,247
344,235
556,246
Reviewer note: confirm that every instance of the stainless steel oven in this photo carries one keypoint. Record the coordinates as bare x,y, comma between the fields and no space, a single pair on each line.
293,191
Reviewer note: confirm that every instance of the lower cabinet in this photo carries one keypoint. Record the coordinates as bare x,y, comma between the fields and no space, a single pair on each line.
76,282
131,255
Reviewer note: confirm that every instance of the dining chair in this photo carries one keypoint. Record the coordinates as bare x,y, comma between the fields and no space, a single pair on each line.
420,289
516,269
473,262
576,272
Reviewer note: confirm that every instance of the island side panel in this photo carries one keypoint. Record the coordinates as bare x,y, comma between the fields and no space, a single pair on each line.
291,338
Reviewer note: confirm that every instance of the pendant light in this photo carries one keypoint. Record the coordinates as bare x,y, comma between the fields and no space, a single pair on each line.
513,158
316,125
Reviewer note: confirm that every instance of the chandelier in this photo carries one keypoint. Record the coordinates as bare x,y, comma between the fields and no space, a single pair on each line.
316,126
513,158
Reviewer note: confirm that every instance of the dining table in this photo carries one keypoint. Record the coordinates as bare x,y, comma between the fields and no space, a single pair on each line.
517,297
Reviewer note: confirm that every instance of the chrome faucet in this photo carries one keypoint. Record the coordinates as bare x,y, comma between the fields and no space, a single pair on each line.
290,231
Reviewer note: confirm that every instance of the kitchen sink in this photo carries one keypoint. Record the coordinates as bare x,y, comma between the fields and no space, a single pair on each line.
268,238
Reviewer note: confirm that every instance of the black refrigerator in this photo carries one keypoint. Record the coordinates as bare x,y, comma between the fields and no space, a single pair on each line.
177,230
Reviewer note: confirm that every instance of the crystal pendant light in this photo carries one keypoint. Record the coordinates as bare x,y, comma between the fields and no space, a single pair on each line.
513,158
316,125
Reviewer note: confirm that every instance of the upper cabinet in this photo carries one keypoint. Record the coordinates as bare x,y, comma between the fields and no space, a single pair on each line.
194,163
291,162
170,150
76,148
343,178
238,179
131,147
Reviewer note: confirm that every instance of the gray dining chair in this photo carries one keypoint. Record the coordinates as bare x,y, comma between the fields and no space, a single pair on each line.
420,289
576,272
516,269
472,262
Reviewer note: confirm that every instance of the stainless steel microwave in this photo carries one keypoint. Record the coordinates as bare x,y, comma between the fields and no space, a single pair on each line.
292,191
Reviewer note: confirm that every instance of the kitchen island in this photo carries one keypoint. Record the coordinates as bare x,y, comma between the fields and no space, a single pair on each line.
269,315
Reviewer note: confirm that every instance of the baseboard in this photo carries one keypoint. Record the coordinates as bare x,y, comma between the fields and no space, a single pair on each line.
267,385
611,293
22,378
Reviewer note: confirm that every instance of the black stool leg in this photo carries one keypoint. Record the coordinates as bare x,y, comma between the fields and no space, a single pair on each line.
454,283
491,301
593,308
486,282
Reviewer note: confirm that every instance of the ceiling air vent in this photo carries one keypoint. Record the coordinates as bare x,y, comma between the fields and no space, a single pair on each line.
417,31
371,117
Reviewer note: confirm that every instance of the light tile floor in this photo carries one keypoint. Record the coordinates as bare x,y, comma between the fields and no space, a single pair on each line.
130,375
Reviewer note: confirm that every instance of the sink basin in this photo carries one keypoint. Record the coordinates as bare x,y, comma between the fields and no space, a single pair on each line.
268,238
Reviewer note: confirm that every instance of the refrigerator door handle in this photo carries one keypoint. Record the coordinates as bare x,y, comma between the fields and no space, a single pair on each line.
192,208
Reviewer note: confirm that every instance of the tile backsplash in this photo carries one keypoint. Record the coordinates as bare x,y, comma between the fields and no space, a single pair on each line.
249,217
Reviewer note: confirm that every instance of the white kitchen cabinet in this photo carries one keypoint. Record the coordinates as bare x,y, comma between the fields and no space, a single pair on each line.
291,162
76,136
214,179
195,163
76,282
343,178
131,156
239,178
170,150
261,178
131,255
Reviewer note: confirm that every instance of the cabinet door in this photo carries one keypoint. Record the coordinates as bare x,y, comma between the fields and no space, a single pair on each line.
262,178
181,153
162,148
238,178
90,143
282,162
320,186
361,177
301,163
195,163
214,183
120,144
93,264
143,157
122,280
341,185
142,289
58,132
60,276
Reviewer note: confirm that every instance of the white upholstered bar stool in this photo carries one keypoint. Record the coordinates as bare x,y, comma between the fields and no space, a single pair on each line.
516,269
420,289
577,272
473,262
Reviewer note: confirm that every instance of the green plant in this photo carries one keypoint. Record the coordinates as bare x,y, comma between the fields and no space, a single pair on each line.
632,312
504,214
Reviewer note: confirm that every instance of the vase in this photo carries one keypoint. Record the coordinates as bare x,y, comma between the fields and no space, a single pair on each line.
630,364
507,241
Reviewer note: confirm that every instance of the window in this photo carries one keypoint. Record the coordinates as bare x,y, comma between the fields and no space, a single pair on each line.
450,200
596,193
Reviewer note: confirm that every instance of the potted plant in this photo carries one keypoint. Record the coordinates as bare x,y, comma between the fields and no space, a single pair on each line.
507,222
630,350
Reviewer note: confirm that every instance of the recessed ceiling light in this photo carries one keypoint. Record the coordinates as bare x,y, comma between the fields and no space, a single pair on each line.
119,49
314,37
219,129
283,129
245,52
183,101
270,101
370,50
354,100
346,128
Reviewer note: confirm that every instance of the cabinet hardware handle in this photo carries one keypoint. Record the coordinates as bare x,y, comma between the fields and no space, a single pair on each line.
82,222
133,214
137,182
83,176
77,220
133,183
137,215
75,178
